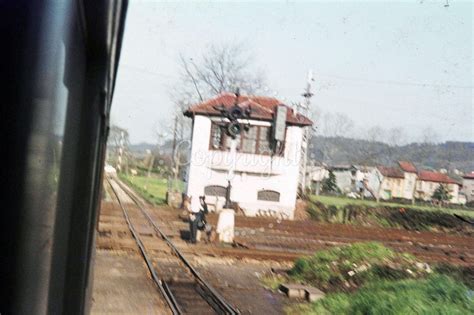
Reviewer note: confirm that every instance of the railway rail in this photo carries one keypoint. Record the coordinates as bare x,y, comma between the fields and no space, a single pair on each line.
183,288
285,241
281,240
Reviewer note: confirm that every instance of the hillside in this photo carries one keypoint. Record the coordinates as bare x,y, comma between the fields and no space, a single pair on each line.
338,150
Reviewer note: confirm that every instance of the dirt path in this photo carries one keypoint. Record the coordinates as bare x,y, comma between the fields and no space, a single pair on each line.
122,286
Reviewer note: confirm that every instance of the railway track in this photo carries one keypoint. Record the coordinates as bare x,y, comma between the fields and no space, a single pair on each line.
266,239
270,239
183,288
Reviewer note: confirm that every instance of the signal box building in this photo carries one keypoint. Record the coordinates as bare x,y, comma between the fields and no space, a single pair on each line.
263,171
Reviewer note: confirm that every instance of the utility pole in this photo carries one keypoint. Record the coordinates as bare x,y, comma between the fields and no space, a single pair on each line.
174,155
120,152
304,110
150,166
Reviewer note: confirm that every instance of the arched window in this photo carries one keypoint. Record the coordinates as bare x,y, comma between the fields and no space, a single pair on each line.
215,190
268,195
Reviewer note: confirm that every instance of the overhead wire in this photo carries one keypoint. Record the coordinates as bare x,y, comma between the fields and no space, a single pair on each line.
393,82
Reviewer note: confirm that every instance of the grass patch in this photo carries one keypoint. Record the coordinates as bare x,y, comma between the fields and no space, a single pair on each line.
464,274
340,202
381,281
438,294
369,213
346,268
153,189
272,281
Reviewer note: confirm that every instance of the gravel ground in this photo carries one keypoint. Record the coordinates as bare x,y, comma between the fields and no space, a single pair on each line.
122,286
238,281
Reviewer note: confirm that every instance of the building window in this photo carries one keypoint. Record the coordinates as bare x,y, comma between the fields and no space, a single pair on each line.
215,190
228,142
264,140
249,140
268,195
254,140
217,136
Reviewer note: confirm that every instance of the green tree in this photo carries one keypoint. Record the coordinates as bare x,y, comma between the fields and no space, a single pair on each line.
330,184
441,193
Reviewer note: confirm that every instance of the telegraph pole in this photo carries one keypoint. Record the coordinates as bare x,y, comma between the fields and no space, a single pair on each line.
120,153
174,155
304,110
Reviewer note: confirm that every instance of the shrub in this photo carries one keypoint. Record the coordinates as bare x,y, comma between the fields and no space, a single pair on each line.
349,267
435,295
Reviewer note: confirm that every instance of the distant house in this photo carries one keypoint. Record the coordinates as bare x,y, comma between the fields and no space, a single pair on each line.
410,175
356,180
315,174
263,173
346,177
370,181
468,186
429,181
392,183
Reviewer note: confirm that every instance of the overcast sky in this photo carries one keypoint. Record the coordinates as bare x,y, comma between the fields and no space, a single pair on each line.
403,64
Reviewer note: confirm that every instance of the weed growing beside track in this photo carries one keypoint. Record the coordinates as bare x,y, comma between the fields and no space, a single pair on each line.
368,278
347,268
437,294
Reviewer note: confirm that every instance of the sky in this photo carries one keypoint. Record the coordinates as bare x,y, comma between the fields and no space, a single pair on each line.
391,64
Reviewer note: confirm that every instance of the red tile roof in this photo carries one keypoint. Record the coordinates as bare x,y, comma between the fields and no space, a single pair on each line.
394,172
407,166
430,176
469,175
263,108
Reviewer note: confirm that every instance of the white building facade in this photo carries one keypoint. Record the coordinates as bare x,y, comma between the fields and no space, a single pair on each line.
315,175
263,176
468,186
410,175
429,181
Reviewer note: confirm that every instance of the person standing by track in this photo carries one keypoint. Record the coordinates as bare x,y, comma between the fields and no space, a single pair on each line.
193,215
202,224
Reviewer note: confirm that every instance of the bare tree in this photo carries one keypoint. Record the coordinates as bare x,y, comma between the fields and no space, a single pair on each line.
337,125
115,134
396,136
429,136
221,68
117,144
375,134
162,131
372,151
344,125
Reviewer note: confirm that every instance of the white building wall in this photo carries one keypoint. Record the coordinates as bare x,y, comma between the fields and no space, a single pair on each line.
252,172
409,185
344,180
468,188
391,187
425,190
374,180
454,192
